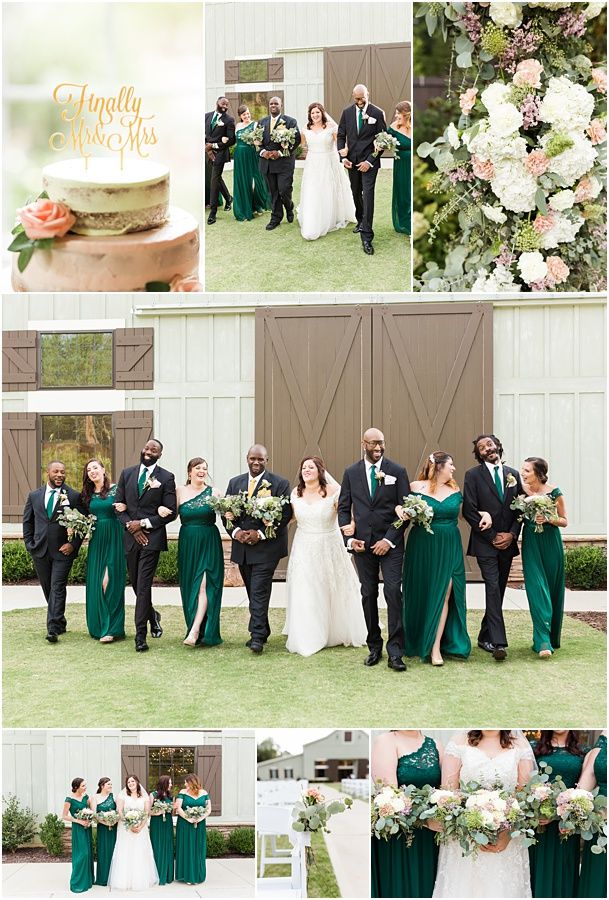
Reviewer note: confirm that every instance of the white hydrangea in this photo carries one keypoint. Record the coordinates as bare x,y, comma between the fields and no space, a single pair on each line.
532,266
505,119
562,200
593,10
420,225
514,186
488,144
500,279
563,231
506,14
495,214
596,186
496,94
551,5
566,105
452,136
573,162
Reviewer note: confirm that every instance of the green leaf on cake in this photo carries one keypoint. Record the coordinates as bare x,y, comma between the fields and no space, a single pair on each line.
157,286
44,243
24,257
18,229
20,242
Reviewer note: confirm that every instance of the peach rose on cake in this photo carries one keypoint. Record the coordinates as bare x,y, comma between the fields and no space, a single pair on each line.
185,285
46,219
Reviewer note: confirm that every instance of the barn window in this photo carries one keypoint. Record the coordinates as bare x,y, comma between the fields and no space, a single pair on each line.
76,360
177,762
74,439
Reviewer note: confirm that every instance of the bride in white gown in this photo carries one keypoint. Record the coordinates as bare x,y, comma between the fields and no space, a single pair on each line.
133,867
326,201
487,757
324,605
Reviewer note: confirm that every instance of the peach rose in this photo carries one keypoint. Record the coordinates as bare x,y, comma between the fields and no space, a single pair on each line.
558,271
596,131
537,163
599,77
185,285
528,72
467,100
583,191
544,223
483,168
45,219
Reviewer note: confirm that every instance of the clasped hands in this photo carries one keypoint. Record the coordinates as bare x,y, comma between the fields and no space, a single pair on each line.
271,154
502,539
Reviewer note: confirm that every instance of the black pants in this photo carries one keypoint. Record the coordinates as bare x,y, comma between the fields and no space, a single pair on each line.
217,186
53,577
280,187
368,568
362,188
495,573
141,565
258,580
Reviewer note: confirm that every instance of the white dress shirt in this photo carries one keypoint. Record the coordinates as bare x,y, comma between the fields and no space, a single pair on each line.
377,466
491,468
149,470
256,480
48,493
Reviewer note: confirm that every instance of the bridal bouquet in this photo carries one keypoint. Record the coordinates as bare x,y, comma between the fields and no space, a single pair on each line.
531,507
232,503
85,815
486,815
109,817
253,136
419,512
133,818
162,806
194,814
582,812
443,806
76,523
267,508
384,141
312,812
393,810
285,137
537,798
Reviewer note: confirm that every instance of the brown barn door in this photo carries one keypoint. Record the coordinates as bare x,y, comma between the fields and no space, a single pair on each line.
19,360
383,68
20,465
134,359
131,431
134,761
344,67
390,76
433,382
208,767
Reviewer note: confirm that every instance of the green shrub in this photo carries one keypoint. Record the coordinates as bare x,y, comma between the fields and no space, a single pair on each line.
94,841
167,569
242,840
51,834
216,843
18,824
17,563
586,568
78,572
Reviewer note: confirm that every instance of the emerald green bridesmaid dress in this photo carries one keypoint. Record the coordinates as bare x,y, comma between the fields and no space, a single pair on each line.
105,609
593,876
555,863
543,564
398,870
250,192
431,562
161,837
106,839
199,554
401,197
81,878
191,844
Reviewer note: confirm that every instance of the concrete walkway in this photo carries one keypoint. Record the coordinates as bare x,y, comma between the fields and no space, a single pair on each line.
225,878
349,847
30,596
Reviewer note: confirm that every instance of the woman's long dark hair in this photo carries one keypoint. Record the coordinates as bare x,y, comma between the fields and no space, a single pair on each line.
76,783
320,107
101,783
162,788
139,785
88,488
321,471
544,747
505,738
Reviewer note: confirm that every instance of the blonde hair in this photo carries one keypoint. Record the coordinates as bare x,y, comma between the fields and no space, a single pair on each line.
431,467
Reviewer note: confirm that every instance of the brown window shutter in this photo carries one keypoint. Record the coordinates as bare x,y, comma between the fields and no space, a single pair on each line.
276,69
231,71
208,768
233,102
134,761
134,359
131,430
19,360
20,462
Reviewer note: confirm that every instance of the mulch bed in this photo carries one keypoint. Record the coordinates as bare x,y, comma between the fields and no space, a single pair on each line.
34,855
596,620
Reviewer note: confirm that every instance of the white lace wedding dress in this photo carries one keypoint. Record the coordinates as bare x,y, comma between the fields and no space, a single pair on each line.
504,874
326,201
324,607
133,867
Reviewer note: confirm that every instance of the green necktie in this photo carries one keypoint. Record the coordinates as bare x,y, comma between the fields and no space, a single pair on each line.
360,120
372,480
214,119
498,483
51,503
141,482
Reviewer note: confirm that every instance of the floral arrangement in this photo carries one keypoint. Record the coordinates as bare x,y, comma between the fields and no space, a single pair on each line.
384,141
583,813
285,137
162,807
85,815
253,136
133,818
487,814
538,797
232,503
108,817
77,524
39,223
418,510
523,166
267,508
443,806
535,505
393,810
312,813
194,814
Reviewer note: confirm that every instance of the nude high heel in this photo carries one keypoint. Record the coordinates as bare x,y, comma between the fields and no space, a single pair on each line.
438,661
190,640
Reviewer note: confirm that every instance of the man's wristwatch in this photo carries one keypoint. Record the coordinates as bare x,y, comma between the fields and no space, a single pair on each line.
142,523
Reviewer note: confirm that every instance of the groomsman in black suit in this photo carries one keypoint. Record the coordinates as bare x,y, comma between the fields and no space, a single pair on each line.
359,125
256,555
47,543
490,487
144,488
370,491
219,138
277,165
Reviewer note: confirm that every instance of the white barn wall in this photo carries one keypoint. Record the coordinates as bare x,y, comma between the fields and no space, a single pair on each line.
24,769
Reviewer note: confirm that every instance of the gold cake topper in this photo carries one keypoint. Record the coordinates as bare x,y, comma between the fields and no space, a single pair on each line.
113,123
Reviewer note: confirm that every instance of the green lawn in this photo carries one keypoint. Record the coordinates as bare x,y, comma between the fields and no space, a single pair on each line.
79,682
321,881
243,256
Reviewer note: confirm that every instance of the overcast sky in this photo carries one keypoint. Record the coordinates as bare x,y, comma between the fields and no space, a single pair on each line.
291,740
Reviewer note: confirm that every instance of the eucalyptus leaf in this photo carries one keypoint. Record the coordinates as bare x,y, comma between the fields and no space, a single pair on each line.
487,72
463,44
431,21
540,201
464,60
424,149
486,55
298,826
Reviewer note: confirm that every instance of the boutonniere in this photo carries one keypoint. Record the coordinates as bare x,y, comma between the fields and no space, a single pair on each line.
151,483
219,122
64,500
510,481
379,475
369,119
265,484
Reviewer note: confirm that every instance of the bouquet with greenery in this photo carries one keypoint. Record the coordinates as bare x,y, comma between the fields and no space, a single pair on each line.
164,807
77,524
267,508
384,141
233,504
133,818
108,817
418,510
533,506
394,810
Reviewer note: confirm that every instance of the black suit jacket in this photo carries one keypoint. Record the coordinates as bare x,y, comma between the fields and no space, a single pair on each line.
374,516
360,146
214,135
480,494
41,534
284,163
146,506
271,549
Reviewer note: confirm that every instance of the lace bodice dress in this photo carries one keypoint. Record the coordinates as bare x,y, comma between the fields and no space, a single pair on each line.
133,867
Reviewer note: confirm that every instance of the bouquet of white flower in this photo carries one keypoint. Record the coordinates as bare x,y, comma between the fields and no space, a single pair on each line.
393,810
583,812
77,524
108,817
267,508
194,814
533,506
133,818
286,137
232,503
85,815
163,807
418,510
384,141
443,806
253,136
487,813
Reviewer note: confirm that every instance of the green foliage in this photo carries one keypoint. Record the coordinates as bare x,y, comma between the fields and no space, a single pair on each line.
217,845
586,568
17,563
76,360
167,569
51,834
432,121
78,572
18,824
267,749
243,841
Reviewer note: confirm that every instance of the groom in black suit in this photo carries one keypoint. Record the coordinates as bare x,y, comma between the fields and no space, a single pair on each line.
277,165
490,487
256,555
219,138
47,543
370,491
144,488
359,125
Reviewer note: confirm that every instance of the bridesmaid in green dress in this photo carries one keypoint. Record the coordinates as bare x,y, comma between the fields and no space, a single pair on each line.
161,830
250,192
555,862
401,129
81,878
191,840
402,758
593,876
435,617
106,568
106,835
200,558
543,561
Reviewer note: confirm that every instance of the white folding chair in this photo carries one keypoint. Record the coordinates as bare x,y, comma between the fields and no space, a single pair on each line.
275,820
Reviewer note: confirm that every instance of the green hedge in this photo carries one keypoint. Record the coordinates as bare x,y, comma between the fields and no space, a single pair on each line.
51,834
243,841
217,845
18,824
586,568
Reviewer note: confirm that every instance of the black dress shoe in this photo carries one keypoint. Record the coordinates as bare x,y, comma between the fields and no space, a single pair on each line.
368,248
62,630
229,205
289,215
373,658
272,225
52,638
486,645
141,646
396,663
155,625
499,653
357,229
211,220
256,646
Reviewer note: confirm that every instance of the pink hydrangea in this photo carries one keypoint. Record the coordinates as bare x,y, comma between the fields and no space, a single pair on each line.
558,271
544,223
596,131
467,100
584,191
483,168
537,163
528,72
599,77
